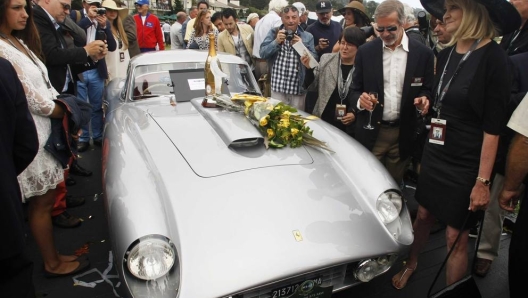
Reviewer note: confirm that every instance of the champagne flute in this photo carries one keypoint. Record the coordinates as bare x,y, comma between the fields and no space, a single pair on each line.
374,100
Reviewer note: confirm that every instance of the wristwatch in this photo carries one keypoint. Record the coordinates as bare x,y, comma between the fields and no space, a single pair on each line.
484,181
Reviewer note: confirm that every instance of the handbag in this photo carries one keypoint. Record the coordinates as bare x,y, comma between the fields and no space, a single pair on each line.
466,287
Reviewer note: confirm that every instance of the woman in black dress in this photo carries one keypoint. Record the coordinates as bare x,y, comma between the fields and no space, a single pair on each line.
472,87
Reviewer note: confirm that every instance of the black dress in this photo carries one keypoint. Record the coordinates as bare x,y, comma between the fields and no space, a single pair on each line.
449,171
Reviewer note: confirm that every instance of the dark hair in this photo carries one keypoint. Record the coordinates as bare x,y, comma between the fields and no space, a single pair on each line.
353,35
358,19
229,12
202,2
217,15
29,34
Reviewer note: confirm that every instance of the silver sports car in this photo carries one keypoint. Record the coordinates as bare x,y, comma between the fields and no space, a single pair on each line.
198,207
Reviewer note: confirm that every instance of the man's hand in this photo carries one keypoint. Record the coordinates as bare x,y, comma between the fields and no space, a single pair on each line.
101,20
305,60
508,199
422,104
96,47
348,119
281,36
296,39
92,12
323,44
365,102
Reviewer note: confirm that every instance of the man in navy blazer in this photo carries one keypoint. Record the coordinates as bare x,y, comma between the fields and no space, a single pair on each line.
91,87
400,70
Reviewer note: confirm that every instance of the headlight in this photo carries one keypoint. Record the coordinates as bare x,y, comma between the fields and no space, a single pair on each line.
150,257
389,205
368,269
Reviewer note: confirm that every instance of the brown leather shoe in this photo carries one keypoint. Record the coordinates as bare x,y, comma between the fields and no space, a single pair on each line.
482,266
65,220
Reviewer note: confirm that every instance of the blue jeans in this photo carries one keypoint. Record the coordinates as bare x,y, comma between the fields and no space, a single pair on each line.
91,90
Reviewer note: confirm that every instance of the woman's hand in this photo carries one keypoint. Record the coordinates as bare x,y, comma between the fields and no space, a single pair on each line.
480,197
305,60
349,118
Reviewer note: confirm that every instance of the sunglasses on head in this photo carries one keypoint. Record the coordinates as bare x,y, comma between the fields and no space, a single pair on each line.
288,8
390,29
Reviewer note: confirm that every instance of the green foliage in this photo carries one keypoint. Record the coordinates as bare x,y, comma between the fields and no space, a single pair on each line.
177,6
371,7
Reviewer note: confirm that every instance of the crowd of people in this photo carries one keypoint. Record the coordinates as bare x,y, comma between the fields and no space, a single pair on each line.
450,99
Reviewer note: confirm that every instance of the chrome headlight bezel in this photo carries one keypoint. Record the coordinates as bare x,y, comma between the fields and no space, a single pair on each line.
368,269
156,249
389,205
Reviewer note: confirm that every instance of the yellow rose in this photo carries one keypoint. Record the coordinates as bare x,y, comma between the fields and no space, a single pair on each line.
284,123
270,132
264,121
294,131
286,115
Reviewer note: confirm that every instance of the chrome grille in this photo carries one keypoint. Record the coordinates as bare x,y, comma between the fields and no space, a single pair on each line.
339,277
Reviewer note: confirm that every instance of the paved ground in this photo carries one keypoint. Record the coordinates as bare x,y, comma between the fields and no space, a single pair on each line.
93,236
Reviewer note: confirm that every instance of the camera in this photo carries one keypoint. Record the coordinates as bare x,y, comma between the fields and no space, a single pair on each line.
101,11
422,23
289,35
368,30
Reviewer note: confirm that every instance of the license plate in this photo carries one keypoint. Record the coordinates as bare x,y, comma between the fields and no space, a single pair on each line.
286,291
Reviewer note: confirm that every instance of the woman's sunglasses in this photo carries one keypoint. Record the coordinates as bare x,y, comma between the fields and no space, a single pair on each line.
390,29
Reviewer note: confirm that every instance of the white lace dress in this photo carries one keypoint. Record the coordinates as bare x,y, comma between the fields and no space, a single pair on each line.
45,172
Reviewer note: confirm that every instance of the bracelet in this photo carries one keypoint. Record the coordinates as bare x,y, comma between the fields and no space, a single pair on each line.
484,181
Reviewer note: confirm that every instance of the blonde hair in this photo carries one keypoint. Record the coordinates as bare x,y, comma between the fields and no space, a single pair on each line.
476,22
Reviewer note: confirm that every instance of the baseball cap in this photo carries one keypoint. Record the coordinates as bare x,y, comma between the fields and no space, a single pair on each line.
323,6
300,7
93,1
251,16
142,2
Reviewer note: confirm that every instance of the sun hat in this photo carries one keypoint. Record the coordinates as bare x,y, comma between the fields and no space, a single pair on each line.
359,8
251,16
300,7
110,4
503,14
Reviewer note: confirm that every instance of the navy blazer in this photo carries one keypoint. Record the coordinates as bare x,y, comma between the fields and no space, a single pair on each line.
86,23
368,77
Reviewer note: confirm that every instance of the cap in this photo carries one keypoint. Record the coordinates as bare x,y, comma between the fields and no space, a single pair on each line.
142,2
323,6
251,16
300,7
93,1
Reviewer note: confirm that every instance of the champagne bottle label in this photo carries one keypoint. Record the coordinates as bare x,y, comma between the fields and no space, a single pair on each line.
208,74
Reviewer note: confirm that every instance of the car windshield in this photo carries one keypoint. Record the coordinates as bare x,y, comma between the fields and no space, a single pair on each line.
186,80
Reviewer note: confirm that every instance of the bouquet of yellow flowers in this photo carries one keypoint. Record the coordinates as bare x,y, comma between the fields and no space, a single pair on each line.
278,122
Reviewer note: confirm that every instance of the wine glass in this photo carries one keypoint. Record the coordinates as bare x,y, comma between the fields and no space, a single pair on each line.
374,100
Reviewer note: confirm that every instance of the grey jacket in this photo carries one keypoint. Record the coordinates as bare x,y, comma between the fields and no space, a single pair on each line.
325,81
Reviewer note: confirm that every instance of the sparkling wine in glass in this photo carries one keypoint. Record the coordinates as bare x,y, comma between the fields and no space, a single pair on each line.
374,100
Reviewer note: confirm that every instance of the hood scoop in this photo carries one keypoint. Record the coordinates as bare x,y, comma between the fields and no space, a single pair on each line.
232,127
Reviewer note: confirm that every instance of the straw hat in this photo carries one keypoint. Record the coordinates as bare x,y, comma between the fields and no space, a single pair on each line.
505,17
359,9
110,4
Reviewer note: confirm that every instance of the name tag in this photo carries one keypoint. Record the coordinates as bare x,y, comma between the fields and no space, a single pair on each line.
149,24
417,82
438,131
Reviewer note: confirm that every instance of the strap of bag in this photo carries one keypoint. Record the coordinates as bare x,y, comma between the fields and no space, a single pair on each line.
451,250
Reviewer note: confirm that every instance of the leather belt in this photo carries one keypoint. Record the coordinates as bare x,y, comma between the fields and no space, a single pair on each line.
394,123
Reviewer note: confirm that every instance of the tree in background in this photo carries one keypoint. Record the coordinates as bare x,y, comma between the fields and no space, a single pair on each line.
177,6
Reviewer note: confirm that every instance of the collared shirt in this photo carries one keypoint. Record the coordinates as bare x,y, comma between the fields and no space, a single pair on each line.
90,32
264,25
285,71
519,120
394,65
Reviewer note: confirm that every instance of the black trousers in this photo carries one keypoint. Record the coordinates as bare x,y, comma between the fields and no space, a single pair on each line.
16,277
518,257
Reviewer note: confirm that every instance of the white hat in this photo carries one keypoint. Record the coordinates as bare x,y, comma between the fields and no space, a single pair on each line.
300,7
93,1
251,16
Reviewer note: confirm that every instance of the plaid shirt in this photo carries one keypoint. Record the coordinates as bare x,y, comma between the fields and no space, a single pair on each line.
285,71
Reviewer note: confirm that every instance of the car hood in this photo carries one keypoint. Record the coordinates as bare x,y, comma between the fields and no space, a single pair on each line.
234,214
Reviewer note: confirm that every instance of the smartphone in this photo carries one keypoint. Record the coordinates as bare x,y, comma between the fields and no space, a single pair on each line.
100,35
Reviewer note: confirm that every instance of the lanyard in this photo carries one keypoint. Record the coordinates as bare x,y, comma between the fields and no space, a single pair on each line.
440,94
343,85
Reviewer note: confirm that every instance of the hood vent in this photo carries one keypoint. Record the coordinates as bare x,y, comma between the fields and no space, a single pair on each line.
232,127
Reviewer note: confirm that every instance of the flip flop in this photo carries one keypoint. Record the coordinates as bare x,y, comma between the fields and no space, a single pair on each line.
83,265
403,272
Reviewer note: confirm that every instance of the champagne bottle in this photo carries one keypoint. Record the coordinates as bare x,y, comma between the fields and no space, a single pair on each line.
208,74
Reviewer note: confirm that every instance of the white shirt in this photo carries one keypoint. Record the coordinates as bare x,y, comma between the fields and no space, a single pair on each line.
519,120
263,27
176,36
394,65
166,27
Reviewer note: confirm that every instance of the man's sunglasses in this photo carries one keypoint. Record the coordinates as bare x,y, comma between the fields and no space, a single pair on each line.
390,29
65,6
288,8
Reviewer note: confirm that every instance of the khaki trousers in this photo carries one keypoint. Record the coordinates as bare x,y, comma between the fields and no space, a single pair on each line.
387,150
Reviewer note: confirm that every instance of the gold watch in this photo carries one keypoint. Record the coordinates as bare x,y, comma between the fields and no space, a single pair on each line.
484,181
